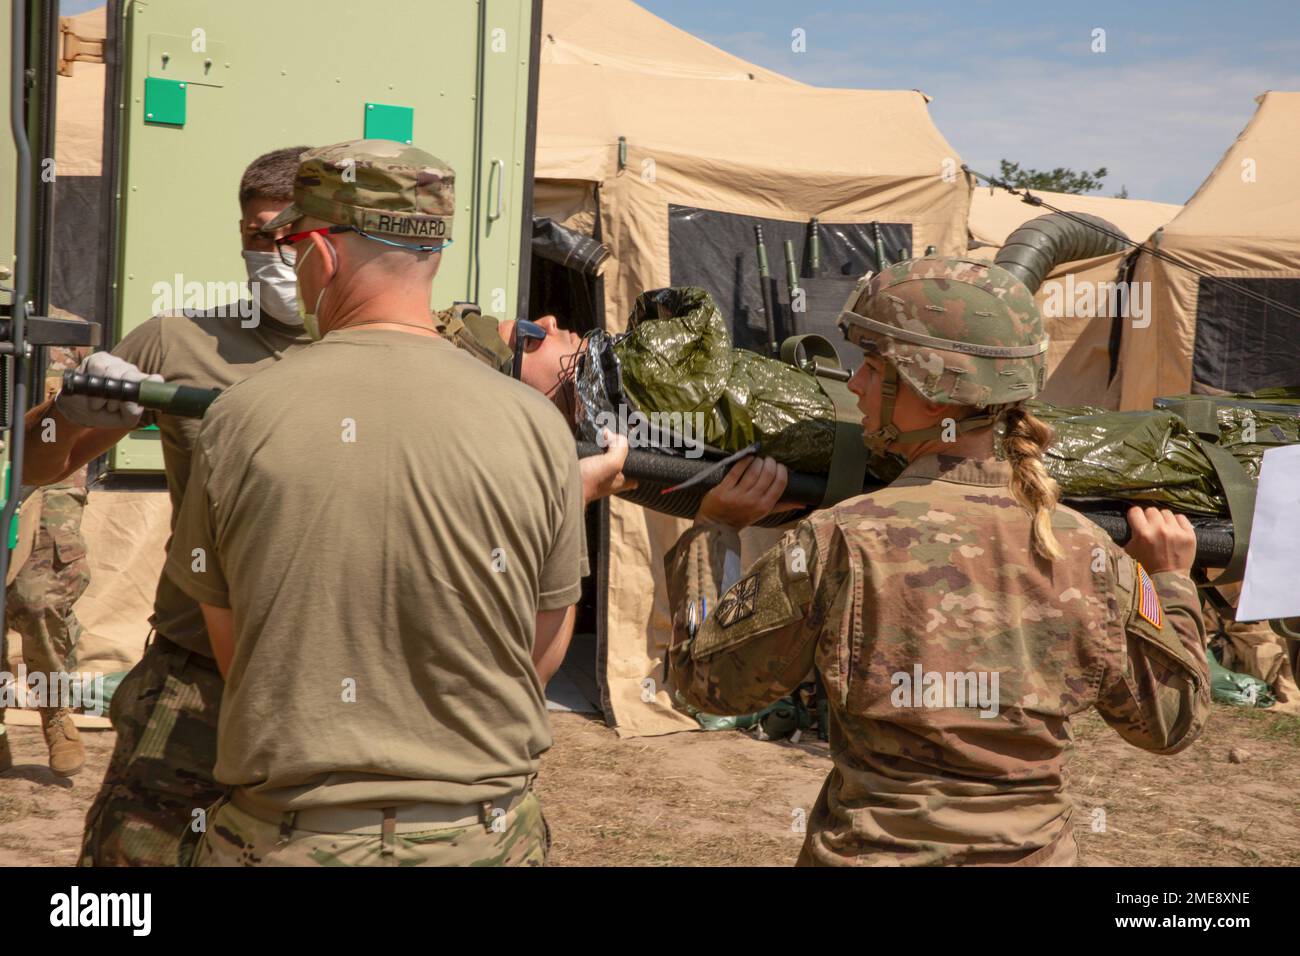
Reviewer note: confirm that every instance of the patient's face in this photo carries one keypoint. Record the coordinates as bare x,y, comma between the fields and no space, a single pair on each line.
550,365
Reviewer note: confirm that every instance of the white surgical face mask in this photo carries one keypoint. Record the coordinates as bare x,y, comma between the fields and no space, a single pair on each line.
309,320
276,284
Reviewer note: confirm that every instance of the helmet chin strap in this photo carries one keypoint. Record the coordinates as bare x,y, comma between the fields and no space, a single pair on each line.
887,434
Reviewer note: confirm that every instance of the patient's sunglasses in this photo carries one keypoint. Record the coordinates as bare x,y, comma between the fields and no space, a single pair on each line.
528,335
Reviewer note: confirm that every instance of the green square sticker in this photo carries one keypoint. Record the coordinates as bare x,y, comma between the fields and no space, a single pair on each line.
390,122
164,101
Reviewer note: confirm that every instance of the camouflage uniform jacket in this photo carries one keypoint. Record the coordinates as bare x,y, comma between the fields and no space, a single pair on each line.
934,575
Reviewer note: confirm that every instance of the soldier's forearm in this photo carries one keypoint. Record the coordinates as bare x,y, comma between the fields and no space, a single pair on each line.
49,442
1170,722
552,633
1180,599
56,447
1182,603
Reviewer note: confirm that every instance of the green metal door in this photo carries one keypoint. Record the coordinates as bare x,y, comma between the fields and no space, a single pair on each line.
503,220
9,185
207,85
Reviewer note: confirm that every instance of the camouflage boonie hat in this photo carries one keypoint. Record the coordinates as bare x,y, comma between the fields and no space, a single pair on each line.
379,186
959,331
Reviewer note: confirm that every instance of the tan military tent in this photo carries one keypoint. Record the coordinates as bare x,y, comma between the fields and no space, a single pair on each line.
996,213
1079,361
710,139
1232,321
705,134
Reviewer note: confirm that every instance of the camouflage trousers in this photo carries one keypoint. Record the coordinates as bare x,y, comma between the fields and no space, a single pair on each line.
236,837
39,602
159,780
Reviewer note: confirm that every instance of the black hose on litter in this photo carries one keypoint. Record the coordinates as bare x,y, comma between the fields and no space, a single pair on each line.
1040,245
655,471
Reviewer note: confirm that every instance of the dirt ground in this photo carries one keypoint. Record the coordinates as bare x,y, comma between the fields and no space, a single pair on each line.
726,799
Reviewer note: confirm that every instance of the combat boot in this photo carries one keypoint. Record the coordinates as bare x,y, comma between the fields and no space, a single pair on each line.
6,755
67,755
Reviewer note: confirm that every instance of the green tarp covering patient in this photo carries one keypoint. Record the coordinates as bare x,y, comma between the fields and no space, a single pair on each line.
1154,456
677,357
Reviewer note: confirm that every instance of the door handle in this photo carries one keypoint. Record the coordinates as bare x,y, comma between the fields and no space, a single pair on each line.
496,173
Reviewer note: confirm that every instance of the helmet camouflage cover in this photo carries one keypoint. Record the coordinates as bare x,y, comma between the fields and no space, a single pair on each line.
958,331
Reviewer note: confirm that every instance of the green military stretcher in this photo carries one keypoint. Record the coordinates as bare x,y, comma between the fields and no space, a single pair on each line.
1194,454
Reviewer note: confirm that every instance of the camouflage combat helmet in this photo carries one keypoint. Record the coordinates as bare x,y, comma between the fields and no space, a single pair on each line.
958,331
379,187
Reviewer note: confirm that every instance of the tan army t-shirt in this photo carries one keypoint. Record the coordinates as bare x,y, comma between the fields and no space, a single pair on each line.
385,515
205,352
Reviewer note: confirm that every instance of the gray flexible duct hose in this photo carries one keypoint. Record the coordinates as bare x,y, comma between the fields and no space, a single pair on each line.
1040,245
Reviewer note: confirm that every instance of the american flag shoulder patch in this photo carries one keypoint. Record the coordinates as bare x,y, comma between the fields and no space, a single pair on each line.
1148,600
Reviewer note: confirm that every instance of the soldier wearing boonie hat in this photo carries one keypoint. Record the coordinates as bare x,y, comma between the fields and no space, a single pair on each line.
397,513
376,186
383,191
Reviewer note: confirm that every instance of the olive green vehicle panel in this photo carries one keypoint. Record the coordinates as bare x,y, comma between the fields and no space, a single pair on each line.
8,183
8,161
9,259
505,160
259,76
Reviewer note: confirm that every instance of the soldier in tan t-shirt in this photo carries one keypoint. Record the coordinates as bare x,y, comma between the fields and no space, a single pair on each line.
385,537
165,710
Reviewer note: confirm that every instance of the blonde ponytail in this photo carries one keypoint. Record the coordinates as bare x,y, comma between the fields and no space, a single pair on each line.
1023,444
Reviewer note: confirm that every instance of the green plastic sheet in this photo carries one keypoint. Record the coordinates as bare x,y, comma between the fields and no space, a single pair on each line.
677,356
1239,690
1153,456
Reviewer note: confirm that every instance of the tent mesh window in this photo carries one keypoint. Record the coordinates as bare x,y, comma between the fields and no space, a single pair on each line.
717,252
1243,343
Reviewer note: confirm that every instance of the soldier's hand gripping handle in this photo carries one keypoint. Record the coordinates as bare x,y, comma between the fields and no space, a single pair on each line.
102,411
1162,540
751,490
602,475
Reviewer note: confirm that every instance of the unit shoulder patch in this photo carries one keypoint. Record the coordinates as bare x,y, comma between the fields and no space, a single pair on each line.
738,603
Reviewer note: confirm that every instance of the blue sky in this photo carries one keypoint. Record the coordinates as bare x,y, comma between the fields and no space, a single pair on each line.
1158,108
1018,80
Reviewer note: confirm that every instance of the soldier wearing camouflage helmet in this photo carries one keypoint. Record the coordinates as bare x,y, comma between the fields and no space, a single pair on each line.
959,617
385,536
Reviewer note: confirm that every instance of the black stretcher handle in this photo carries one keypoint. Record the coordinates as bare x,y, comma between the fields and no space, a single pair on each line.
654,471
183,401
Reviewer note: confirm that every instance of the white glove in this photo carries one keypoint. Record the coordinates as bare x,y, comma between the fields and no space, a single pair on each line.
92,412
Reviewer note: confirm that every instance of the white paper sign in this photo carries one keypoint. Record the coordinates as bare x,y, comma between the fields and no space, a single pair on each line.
1272,584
